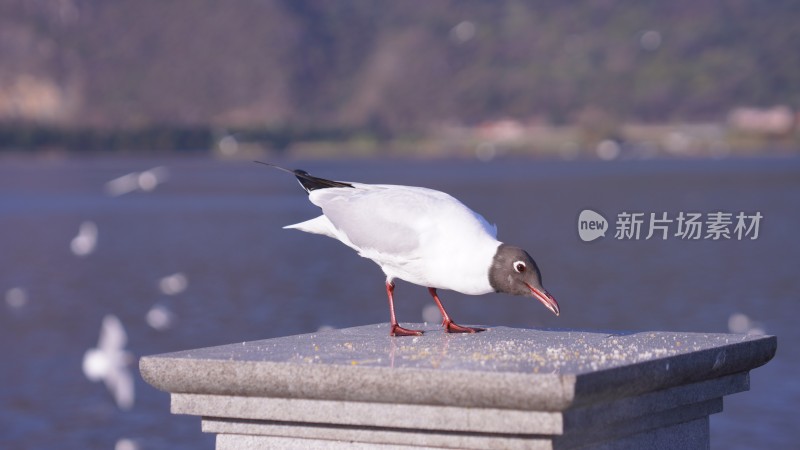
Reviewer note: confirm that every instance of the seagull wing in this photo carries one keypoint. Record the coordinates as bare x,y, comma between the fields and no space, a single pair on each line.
394,220
371,219
120,383
112,334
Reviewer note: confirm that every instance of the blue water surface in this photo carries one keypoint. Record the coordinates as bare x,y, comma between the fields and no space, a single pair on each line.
219,223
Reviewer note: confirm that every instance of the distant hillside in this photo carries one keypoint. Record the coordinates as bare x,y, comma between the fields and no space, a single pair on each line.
391,66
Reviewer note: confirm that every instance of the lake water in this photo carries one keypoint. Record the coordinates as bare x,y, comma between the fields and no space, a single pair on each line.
218,224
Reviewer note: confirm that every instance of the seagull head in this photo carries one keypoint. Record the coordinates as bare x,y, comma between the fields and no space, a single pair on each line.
514,272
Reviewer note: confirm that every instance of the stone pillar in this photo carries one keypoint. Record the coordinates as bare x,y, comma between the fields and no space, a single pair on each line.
504,388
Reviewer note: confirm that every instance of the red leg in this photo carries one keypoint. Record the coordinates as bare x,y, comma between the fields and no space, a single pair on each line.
447,323
397,330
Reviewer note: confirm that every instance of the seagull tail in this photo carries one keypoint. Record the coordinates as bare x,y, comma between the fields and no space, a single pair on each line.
322,225
308,182
318,225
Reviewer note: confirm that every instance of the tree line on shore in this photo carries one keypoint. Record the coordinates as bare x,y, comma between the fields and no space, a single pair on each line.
125,75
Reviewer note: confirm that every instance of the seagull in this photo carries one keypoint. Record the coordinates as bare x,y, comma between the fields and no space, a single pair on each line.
109,362
422,236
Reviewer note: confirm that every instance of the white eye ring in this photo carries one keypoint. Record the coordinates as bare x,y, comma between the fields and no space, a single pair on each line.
519,266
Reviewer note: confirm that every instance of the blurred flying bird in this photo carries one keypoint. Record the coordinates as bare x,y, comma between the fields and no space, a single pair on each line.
86,240
126,444
16,298
422,236
109,362
742,324
159,317
146,180
173,284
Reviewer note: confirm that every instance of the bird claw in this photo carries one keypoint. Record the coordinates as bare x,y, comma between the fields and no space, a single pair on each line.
397,330
452,327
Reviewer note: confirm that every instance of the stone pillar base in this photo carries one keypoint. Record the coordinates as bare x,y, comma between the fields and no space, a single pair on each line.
501,389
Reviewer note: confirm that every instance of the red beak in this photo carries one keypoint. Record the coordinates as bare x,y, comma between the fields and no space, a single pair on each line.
546,299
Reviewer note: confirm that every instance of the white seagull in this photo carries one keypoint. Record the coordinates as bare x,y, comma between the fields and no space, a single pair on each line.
109,362
422,236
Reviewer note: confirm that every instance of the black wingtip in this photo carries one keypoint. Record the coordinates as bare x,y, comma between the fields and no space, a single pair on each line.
308,182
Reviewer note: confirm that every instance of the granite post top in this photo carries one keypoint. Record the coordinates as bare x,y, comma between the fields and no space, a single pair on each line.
549,370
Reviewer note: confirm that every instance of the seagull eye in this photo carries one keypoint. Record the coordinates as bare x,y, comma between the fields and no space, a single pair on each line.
520,266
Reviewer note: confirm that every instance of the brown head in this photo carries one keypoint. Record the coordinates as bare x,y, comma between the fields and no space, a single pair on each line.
514,272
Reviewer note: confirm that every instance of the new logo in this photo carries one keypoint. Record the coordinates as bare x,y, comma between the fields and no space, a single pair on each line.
591,225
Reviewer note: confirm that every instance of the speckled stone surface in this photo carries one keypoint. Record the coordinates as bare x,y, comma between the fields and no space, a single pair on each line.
503,388
499,368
